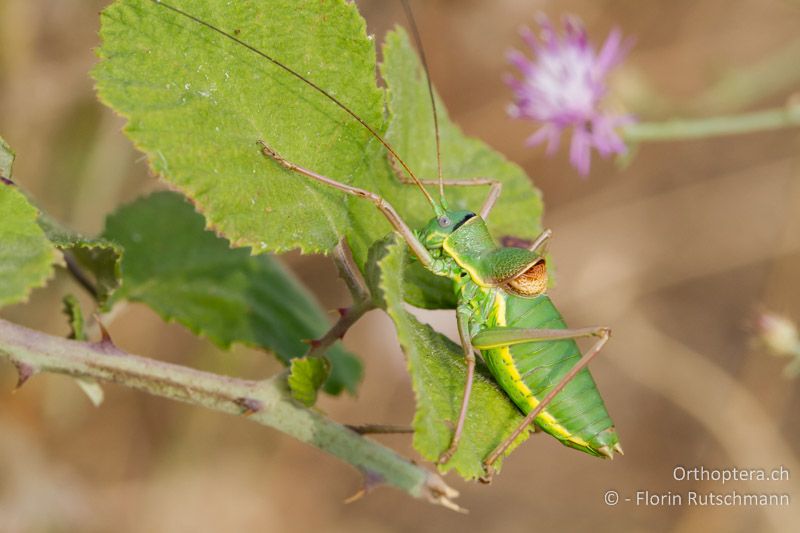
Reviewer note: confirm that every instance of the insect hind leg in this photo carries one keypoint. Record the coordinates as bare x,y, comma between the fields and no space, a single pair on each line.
495,337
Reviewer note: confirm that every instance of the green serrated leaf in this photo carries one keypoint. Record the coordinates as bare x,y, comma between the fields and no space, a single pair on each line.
438,372
306,376
101,259
518,212
26,256
191,276
197,102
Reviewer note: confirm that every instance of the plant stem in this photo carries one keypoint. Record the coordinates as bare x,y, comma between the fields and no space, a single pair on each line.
266,402
348,271
742,86
337,331
678,129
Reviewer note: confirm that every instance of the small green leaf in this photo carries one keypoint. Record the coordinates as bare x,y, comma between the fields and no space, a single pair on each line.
190,275
77,325
438,373
26,256
89,386
306,376
99,258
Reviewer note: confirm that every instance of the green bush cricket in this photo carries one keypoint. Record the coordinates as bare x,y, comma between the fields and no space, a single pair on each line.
502,309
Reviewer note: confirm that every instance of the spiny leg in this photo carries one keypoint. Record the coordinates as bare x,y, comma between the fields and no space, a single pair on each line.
492,338
385,207
495,189
462,314
500,337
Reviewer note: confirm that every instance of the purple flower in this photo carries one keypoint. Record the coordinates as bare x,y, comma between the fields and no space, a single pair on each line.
562,87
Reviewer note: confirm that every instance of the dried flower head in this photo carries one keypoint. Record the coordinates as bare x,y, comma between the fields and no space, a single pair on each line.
562,87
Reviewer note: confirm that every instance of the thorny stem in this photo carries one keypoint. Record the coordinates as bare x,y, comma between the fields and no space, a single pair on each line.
349,317
678,129
266,402
361,297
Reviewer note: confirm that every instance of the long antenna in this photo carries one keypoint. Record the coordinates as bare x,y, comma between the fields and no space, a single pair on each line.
418,40
311,84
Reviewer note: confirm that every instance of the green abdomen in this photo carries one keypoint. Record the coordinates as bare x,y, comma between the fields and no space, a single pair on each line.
577,416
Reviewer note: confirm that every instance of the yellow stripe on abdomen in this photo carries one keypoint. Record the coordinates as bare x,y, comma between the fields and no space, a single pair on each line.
524,394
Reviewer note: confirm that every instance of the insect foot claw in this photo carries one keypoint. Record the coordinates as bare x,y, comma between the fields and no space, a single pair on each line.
488,474
445,457
267,151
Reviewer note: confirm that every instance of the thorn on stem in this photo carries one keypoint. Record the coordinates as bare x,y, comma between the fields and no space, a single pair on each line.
25,372
371,481
355,497
106,344
342,311
249,405
314,343
488,474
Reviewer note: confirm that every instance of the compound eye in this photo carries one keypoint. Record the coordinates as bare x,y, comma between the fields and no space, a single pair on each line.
444,221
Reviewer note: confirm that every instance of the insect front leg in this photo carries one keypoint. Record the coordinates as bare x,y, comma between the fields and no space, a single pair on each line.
500,337
541,241
463,314
385,207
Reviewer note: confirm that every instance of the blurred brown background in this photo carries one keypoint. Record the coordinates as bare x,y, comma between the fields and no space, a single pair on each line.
674,252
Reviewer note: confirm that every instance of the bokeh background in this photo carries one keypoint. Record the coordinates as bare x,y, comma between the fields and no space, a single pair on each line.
674,251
